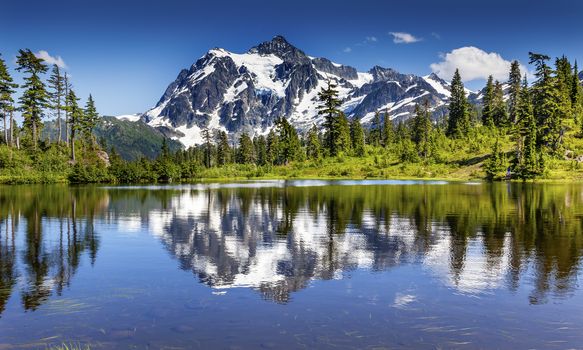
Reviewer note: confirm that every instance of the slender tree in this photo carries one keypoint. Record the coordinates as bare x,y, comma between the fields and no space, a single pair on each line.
313,146
459,117
57,96
547,103
208,147
357,137
499,112
260,144
488,103
329,109
223,149
7,87
90,119
245,151
514,81
75,119
388,131
290,148
34,98
422,131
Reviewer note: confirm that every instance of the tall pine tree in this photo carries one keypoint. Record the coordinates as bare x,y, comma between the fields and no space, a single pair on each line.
357,137
7,87
57,96
34,98
514,81
458,122
329,109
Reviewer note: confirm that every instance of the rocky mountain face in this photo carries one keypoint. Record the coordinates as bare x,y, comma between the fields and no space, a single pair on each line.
247,92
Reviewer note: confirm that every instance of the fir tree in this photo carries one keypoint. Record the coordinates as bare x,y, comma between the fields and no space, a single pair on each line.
260,145
89,121
527,166
488,103
375,134
313,147
357,137
514,81
223,149
329,109
272,147
499,113
459,120
496,164
57,96
547,103
343,143
76,117
34,98
208,147
388,131
422,131
6,101
245,151
576,96
290,148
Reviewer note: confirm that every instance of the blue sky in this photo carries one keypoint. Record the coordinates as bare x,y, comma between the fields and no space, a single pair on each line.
126,52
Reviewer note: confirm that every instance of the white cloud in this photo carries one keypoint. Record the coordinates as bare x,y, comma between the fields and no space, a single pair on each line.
473,63
347,49
436,35
371,39
57,60
404,38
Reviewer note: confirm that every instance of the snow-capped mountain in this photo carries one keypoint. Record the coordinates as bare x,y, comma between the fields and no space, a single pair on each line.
247,92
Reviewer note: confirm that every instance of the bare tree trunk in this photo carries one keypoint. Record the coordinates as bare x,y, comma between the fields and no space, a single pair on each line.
72,141
11,127
34,137
59,123
5,130
66,109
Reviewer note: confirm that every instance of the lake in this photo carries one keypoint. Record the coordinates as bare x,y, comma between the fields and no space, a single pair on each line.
291,265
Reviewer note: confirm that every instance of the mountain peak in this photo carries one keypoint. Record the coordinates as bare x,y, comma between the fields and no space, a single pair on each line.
280,47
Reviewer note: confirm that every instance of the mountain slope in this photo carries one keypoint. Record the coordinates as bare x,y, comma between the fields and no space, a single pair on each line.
247,92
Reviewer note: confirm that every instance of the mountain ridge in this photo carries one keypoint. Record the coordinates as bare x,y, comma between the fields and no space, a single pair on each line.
247,92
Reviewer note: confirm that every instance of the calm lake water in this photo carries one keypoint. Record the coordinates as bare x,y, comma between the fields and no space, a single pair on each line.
291,265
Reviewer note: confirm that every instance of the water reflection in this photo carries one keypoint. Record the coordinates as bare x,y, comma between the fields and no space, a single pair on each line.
276,240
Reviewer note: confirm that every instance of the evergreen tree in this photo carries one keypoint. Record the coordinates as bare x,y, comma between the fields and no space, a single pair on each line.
343,143
459,120
313,147
496,164
527,166
329,109
499,113
57,96
6,101
76,117
488,103
514,81
245,151
547,103
223,149
576,96
34,98
208,147
89,121
260,145
422,131
272,147
388,131
375,134
290,148
357,137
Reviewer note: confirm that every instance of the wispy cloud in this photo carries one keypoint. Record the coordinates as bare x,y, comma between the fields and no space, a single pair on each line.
347,49
57,60
371,39
436,35
404,38
473,63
